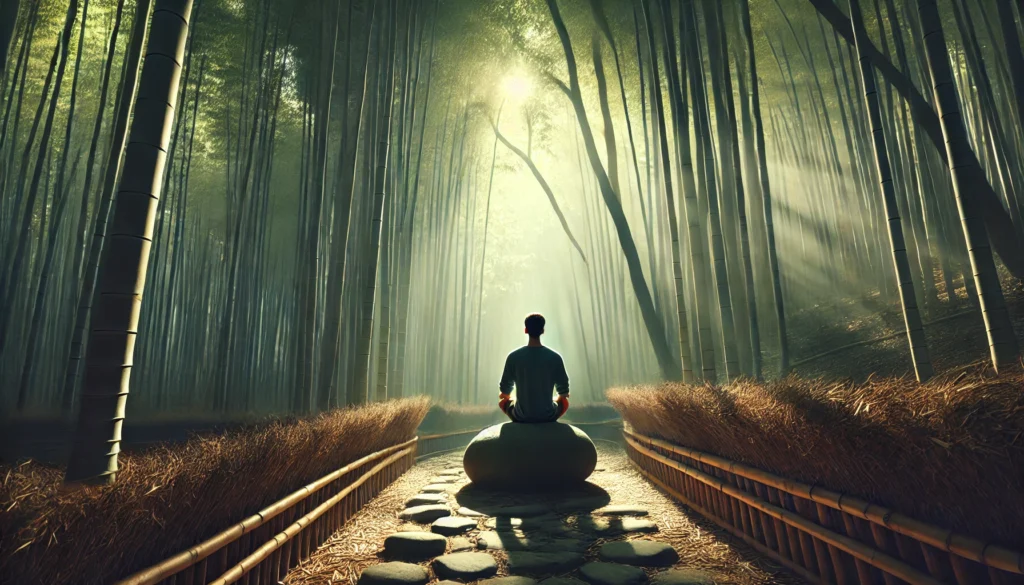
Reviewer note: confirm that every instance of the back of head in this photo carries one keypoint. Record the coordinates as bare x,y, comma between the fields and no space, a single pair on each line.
535,325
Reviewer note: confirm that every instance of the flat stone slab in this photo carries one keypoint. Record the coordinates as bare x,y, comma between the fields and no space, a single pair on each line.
543,562
614,526
490,540
612,574
426,500
621,510
452,525
415,545
394,574
512,580
643,553
444,479
682,577
461,543
465,566
439,488
425,514
464,511
452,471
552,524
562,581
518,455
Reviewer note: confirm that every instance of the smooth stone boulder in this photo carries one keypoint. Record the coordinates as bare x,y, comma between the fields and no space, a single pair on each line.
682,577
530,455
425,514
452,525
465,566
426,500
621,510
644,553
612,574
512,580
415,545
615,526
394,574
461,543
562,581
543,562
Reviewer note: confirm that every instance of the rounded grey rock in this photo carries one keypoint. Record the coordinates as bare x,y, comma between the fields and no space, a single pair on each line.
415,545
682,577
537,455
621,510
425,514
464,511
511,580
612,574
452,525
461,543
394,574
644,553
465,566
614,526
426,500
543,562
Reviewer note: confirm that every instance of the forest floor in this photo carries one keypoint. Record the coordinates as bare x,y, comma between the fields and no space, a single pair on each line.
955,334
711,555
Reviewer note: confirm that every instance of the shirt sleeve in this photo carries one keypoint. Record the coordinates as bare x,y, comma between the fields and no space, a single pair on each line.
507,377
560,378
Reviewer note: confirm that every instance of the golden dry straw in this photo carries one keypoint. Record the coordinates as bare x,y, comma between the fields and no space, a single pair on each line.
171,497
949,452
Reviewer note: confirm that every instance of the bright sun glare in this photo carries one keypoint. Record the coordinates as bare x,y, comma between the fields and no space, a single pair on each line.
517,86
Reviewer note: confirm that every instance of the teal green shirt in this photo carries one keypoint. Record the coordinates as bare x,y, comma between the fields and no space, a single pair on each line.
535,372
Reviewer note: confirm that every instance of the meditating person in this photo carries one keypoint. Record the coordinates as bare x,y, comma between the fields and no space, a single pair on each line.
535,371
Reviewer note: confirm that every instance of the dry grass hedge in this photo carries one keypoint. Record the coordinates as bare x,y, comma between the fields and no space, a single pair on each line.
171,497
949,452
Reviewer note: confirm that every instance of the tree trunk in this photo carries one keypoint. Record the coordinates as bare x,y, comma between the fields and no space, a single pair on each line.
122,270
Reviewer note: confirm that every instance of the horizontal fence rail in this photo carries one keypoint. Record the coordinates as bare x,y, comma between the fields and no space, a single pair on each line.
262,548
822,535
430,445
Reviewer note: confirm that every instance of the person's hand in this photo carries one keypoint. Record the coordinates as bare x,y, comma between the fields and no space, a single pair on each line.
563,404
503,402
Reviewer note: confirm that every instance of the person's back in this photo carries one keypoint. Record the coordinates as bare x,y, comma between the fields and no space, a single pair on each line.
535,371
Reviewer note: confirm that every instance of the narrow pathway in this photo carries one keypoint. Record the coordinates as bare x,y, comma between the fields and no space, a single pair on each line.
432,525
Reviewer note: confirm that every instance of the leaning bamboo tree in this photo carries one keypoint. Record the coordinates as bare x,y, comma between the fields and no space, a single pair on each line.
963,166
669,366
904,277
122,269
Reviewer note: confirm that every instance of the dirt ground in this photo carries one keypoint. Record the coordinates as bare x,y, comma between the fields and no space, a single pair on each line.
700,544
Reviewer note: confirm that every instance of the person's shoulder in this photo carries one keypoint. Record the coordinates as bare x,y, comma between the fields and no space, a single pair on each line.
517,351
554,354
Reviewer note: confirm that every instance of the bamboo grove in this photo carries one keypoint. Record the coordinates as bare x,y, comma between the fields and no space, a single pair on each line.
278,206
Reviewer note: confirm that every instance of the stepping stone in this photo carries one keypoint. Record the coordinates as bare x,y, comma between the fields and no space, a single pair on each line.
644,553
461,543
621,510
614,526
682,577
554,523
452,471
426,500
439,488
394,574
512,580
508,541
465,566
425,514
447,582
543,562
464,511
444,479
415,545
612,574
503,522
562,581
452,525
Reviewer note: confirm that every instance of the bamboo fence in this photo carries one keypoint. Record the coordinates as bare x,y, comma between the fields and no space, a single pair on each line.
262,548
822,535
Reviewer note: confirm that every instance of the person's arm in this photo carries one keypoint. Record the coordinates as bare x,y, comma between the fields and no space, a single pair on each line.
508,378
560,378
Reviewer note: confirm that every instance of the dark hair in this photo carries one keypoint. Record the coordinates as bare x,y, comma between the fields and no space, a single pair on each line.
535,325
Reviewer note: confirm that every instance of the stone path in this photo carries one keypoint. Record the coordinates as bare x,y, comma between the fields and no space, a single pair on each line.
433,526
